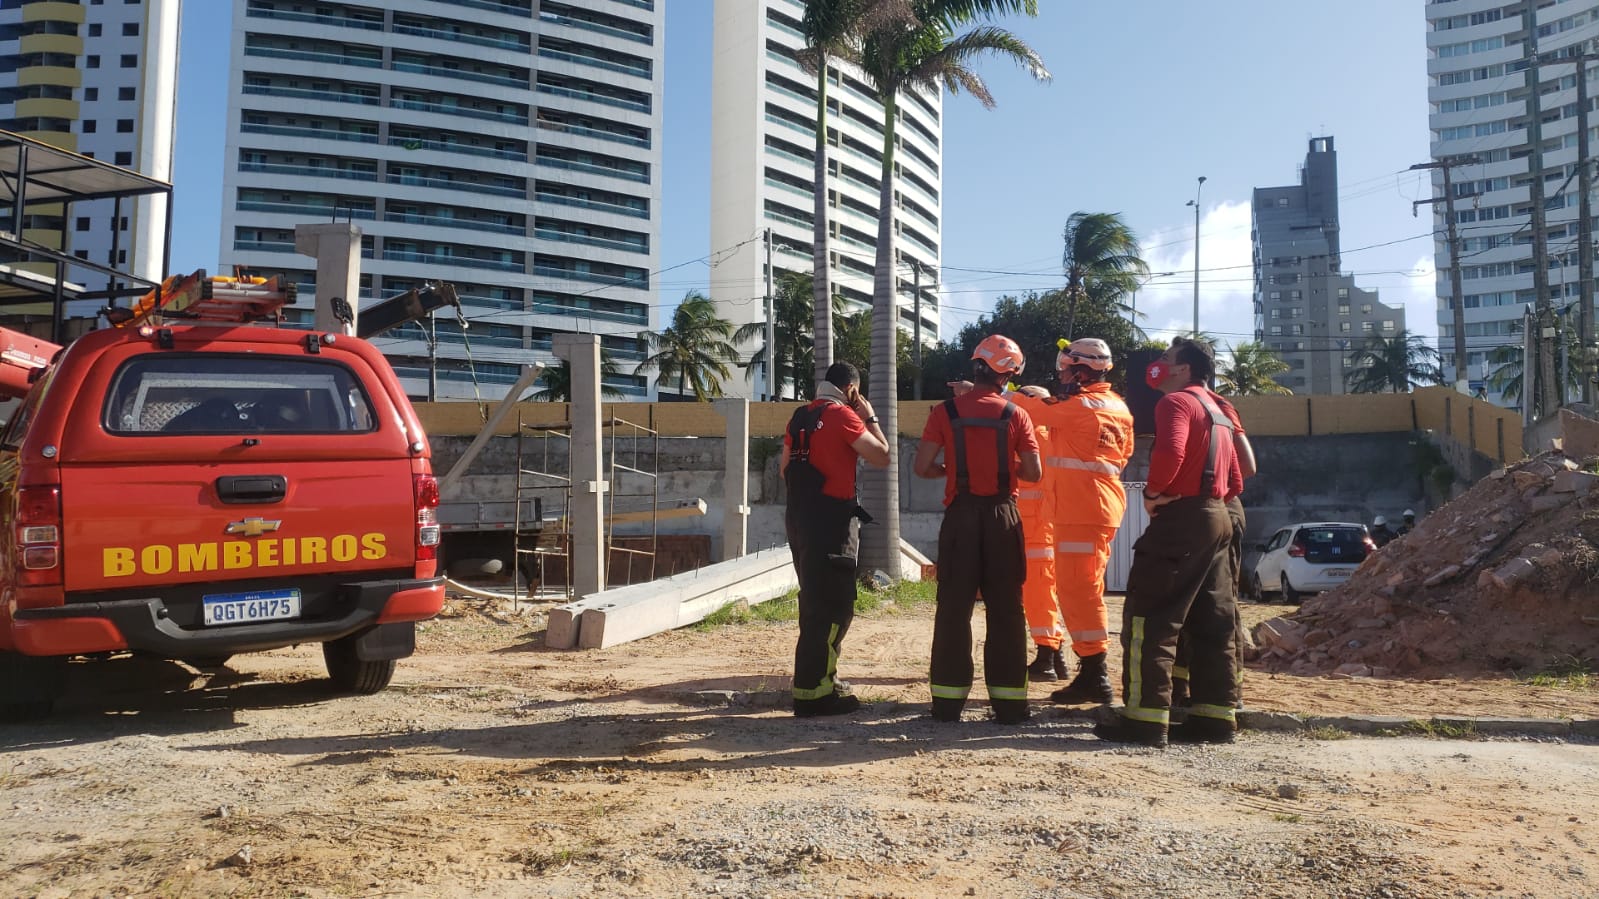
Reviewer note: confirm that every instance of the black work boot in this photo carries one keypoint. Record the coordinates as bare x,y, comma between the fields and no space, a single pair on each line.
1092,684
1126,730
1046,666
1011,711
831,704
947,709
1060,664
1199,729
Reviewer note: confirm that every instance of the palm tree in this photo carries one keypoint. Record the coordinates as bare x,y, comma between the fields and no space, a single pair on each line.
1505,367
924,56
557,381
1395,363
1251,371
833,29
694,351
791,308
1101,258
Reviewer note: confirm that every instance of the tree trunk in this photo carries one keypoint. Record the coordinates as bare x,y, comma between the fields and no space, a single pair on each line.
880,487
821,282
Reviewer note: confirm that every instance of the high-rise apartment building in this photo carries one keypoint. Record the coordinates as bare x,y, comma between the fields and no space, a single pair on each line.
509,147
763,137
1306,308
1477,53
98,77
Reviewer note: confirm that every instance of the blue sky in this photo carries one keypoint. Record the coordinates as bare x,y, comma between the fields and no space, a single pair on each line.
1147,96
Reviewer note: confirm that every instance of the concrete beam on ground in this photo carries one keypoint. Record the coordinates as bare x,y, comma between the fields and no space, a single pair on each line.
336,247
736,481
624,614
582,354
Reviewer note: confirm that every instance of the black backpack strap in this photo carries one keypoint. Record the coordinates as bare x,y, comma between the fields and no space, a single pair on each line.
1001,428
800,428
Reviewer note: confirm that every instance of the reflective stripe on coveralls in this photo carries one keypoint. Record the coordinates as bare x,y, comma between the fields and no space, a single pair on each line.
1085,465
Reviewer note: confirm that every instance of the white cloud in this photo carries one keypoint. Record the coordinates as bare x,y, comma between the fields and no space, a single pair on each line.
1226,302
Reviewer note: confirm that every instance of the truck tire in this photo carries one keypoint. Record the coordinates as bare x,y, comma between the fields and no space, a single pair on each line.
29,685
348,673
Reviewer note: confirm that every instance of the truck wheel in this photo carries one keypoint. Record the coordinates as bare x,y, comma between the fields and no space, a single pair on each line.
29,685
349,673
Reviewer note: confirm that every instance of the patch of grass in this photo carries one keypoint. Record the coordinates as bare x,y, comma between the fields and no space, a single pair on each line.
1437,729
1286,818
1328,733
784,608
1567,673
903,595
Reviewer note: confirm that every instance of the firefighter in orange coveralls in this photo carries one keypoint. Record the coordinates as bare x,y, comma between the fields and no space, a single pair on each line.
1090,441
1036,504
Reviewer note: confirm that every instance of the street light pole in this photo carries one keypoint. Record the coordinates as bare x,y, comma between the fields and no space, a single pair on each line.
1195,203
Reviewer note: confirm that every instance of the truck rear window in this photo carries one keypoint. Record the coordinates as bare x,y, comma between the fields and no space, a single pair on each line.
214,393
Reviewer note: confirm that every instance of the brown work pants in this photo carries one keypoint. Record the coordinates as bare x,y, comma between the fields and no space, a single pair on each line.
1181,574
1235,564
980,548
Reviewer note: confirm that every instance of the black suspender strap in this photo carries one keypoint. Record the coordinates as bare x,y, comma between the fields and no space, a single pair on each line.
1001,428
1221,428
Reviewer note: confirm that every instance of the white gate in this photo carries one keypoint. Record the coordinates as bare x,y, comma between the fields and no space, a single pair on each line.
1134,520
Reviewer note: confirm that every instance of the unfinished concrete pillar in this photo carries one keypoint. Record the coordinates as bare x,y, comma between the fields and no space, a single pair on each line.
336,247
582,354
736,480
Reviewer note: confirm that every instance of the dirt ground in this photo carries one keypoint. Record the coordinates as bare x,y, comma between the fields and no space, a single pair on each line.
669,767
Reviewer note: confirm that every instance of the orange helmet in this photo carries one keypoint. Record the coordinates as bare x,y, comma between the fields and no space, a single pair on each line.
1001,354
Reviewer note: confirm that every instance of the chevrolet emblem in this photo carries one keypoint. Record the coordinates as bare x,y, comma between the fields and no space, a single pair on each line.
253,527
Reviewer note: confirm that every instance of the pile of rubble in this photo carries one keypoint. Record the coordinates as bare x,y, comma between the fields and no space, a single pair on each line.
1503,578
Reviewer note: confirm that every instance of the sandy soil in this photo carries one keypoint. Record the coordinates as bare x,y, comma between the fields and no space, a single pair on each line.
669,767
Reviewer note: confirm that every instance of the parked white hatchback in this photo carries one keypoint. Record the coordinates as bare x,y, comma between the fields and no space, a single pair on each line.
1309,558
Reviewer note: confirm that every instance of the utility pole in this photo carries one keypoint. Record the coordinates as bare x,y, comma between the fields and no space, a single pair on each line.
1456,301
1564,337
433,356
1195,203
771,325
1545,367
1526,366
1584,233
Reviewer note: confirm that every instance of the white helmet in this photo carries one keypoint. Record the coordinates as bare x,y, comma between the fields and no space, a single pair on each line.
1379,521
1409,514
1089,351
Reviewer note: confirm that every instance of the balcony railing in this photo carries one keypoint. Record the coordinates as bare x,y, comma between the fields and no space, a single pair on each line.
303,94
451,184
460,37
593,61
492,6
597,134
448,259
444,221
641,317
596,27
460,74
572,166
592,204
360,137
453,147
519,118
315,19
305,209
314,56
265,246
607,243
593,97
314,171
550,271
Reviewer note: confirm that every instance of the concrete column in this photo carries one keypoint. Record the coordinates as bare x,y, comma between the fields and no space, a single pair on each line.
336,247
736,481
582,353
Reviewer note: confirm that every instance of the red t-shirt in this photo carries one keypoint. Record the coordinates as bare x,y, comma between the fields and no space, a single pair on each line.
1238,427
1182,442
982,464
832,447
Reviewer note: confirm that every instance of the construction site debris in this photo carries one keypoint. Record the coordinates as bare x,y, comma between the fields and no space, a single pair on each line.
1501,579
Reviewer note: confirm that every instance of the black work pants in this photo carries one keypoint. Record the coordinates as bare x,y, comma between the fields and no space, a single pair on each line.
1181,576
1235,564
823,536
980,548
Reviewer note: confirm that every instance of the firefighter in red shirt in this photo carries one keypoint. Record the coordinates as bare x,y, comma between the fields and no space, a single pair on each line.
823,441
1180,566
988,445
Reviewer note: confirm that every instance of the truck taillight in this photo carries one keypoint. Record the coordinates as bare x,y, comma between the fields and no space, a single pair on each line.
39,536
427,517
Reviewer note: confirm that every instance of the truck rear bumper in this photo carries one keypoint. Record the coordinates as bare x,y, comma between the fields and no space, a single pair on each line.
143,625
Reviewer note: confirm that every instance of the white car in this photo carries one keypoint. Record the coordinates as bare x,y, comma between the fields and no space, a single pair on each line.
1309,558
